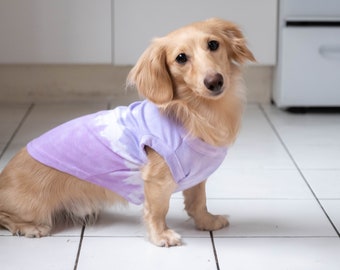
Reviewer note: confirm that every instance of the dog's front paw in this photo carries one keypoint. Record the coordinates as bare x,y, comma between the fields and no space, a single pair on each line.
166,238
210,222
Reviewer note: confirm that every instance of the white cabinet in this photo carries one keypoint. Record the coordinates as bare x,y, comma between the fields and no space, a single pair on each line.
118,31
137,22
308,69
55,31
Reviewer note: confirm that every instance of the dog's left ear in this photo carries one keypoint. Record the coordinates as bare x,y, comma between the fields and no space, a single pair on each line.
150,75
239,51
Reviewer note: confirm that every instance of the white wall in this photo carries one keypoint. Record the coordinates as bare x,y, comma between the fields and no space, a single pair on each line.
55,31
137,22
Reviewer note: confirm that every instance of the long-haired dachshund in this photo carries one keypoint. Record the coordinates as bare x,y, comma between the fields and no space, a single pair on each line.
172,141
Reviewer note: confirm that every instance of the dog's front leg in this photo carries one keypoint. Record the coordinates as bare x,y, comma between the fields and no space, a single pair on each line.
158,187
195,205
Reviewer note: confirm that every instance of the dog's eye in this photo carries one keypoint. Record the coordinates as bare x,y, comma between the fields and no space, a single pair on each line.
181,58
213,45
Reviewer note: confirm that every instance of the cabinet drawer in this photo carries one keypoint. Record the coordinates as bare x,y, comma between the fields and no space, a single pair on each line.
310,66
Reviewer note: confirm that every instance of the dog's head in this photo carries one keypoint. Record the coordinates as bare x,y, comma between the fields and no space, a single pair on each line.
194,60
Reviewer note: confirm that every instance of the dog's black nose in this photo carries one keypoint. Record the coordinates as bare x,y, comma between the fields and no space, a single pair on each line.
214,82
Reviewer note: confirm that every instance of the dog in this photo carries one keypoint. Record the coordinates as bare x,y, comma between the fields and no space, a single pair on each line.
171,141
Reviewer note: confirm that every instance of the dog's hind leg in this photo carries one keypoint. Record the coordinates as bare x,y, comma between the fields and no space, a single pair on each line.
24,201
33,197
24,228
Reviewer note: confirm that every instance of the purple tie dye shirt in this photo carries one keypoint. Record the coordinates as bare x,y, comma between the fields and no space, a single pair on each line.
107,149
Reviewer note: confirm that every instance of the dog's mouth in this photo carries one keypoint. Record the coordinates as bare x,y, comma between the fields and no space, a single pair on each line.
214,83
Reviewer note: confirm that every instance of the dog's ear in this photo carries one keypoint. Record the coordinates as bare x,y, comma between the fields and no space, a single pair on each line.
239,51
150,75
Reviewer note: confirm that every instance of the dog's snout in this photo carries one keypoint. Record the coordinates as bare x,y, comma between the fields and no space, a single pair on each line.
214,82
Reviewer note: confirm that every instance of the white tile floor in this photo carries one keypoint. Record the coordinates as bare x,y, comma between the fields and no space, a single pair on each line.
280,187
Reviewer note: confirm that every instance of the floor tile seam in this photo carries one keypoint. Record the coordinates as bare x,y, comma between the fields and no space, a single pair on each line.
113,236
184,236
45,237
254,199
290,143
297,167
20,124
63,236
304,168
268,169
218,249
79,248
199,237
214,250
286,149
277,237
320,169
100,236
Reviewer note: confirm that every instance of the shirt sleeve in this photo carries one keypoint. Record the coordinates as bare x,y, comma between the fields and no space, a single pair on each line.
167,153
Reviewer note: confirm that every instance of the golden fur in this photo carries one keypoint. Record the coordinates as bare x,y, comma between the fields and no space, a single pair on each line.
33,196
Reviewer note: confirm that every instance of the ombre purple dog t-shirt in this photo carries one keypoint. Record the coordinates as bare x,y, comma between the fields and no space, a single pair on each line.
108,149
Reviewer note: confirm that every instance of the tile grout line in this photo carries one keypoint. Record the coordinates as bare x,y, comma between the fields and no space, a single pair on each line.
28,111
298,168
79,247
214,250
